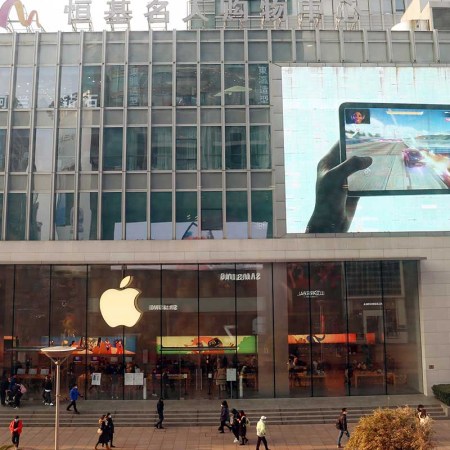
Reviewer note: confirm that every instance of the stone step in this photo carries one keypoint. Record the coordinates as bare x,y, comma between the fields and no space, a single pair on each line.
179,418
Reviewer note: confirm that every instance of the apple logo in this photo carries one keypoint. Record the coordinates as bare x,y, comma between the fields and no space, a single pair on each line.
119,306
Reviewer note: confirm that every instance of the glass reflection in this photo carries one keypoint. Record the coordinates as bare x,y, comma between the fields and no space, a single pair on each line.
64,216
258,81
16,216
91,84
210,85
161,148
212,225
66,149
138,86
87,215
68,91
40,217
136,215
19,150
211,148
2,149
260,148
162,86
111,216
237,215
262,215
235,148
234,84
46,87
186,148
5,79
114,86
161,215
136,148
90,142
23,87
186,85
186,215
43,150
112,148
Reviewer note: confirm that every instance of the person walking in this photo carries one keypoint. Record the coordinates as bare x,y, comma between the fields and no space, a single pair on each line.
224,416
160,411
74,394
15,427
342,425
103,433
234,422
48,387
261,431
243,424
110,426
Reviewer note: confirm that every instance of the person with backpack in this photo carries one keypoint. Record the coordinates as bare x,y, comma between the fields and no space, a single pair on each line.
243,424
341,425
15,427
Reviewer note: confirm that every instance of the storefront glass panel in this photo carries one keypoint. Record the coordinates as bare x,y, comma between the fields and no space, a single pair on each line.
6,319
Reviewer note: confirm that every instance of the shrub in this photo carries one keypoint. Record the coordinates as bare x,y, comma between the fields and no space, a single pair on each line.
442,392
391,429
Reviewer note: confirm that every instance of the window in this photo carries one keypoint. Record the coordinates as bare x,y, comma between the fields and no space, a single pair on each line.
138,86
87,215
111,216
40,217
234,84
161,215
19,150
66,150
5,78
186,215
46,87
186,85
68,93
91,84
16,217
186,148
235,148
136,215
114,86
211,148
262,214
43,150
237,215
212,226
162,86
23,88
260,154
64,215
210,85
258,76
2,149
136,148
90,142
112,148
161,148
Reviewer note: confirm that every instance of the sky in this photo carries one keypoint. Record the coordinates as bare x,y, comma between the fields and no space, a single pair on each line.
52,17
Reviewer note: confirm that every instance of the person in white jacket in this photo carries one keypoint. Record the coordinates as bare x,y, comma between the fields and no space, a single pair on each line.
261,431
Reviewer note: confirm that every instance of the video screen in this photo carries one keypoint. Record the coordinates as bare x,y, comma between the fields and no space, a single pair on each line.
409,146
316,178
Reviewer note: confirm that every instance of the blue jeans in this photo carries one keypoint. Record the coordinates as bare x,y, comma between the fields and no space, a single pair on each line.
341,433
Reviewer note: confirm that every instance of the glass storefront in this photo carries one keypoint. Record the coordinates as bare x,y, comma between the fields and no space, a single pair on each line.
217,330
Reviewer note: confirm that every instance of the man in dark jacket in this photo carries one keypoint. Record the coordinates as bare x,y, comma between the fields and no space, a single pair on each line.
160,411
342,421
110,428
47,386
4,384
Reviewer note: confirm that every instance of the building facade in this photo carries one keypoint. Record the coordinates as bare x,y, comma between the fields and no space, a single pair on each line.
187,160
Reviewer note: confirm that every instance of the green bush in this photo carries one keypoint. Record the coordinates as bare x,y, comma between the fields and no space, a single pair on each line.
442,392
391,429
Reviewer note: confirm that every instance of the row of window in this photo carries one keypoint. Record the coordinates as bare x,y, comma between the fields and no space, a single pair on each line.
136,157
143,215
195,85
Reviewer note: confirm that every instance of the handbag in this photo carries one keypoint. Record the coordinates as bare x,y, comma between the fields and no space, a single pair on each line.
99,431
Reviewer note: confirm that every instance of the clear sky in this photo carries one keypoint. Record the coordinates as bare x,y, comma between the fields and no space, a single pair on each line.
52,17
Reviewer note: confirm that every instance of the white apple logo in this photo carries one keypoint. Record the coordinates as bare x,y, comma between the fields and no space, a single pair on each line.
119,306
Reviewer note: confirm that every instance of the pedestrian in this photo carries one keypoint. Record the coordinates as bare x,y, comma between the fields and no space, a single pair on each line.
224,416
103,434
234,422
341,424
261,431
422,415
110,425
74,394
160,411
48,387
4,384
243,424
15,427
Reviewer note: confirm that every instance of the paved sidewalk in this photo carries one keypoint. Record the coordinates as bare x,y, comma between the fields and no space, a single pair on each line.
280,437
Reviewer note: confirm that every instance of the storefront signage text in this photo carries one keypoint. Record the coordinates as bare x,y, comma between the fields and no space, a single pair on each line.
240,276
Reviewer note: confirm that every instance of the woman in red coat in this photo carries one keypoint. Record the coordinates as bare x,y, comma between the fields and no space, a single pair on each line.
16,429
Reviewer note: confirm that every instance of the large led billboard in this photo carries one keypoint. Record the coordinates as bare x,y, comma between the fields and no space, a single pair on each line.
394,121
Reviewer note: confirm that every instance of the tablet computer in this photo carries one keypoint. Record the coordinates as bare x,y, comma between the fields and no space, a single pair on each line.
409,145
